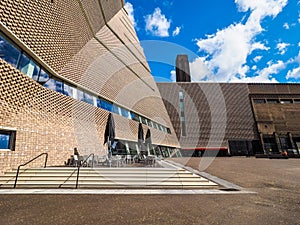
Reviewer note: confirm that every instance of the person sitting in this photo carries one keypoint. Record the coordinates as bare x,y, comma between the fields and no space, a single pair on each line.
75,157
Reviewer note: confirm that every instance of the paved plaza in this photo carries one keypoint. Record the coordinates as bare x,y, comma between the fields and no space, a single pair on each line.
276,201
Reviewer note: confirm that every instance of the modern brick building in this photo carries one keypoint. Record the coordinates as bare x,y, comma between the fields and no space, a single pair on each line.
238,119
64,66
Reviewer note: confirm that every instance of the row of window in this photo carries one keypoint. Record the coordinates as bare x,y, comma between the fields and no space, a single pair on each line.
276,101
182,116
19,59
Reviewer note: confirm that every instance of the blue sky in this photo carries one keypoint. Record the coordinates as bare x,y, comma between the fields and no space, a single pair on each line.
226,40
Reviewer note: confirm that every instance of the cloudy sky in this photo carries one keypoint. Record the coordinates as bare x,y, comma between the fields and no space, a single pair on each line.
226,40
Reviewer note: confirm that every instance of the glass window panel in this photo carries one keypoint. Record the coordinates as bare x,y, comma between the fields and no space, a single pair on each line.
80,95
125,112
55,85
115,109
297,101
150,123
68,90
144,120
161,127
9,52
98,103
59,86
4,140
258,101
106,105
50,84
29,67
183,129
88,98
180,95
273,101
286,101
43,77
134,117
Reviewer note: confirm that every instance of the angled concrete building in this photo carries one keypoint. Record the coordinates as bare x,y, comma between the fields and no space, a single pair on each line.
64,66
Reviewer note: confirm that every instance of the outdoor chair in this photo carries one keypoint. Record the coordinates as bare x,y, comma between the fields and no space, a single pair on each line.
129,159
102,160
136,159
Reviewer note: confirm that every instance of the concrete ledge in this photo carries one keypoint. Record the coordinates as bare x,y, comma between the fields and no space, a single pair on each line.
117,192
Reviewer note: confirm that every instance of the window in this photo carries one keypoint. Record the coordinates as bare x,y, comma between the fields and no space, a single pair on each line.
7,139
55,85
116,109
43,77
9,52
182,116
297,101
144,121
259,101
88,98
29,67
272,101
101,103
286,101
125,112
68,90
134,117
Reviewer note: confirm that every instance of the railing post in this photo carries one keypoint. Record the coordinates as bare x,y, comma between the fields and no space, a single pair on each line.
15,185
77,176
46,160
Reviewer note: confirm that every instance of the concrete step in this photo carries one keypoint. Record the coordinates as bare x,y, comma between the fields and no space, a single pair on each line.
55,177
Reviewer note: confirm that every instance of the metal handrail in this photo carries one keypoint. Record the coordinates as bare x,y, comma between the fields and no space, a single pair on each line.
81,164
17,175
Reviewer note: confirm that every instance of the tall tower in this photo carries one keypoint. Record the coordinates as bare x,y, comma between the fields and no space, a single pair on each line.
182,69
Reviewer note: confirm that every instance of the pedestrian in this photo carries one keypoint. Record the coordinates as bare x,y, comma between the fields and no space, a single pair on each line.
76,157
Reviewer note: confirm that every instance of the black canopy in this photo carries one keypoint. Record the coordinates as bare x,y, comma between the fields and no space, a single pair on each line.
109,134
141,137
140,134
148,140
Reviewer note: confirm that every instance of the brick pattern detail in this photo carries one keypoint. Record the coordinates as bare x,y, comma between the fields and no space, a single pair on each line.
47,121
204,109
54,31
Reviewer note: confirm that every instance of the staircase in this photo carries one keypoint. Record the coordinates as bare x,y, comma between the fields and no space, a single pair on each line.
97,178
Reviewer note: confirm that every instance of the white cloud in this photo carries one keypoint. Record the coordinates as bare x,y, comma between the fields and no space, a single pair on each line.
299,44
286,26
227,50
294,73
129,8
273,68
157,24
282,47
173,76
254,67
176,31
199,71
258,46
257,58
